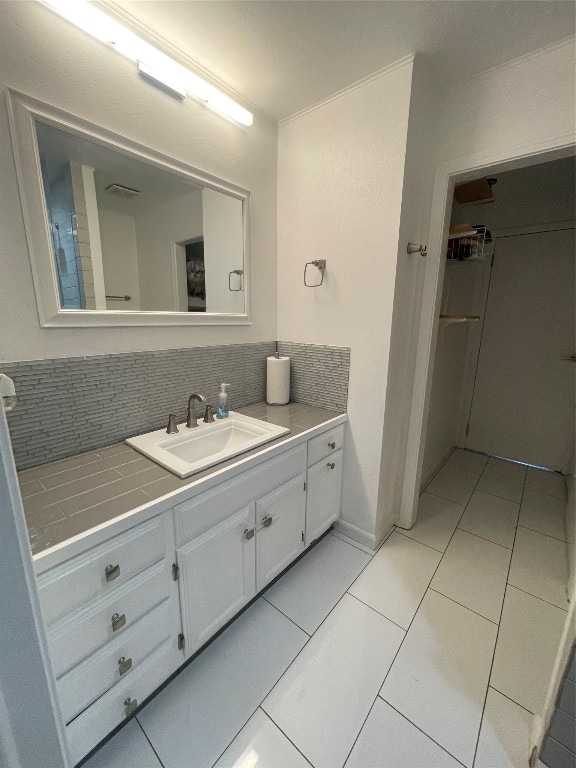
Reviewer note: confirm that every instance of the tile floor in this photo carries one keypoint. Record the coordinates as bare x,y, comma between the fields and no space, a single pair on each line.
433,652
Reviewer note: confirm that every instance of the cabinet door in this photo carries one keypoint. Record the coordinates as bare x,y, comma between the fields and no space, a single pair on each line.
217,576
280,522
323,496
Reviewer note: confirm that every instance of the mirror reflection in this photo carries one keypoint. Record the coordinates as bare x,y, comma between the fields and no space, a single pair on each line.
129,236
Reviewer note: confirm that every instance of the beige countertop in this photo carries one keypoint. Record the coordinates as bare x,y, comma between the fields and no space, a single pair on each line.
66,498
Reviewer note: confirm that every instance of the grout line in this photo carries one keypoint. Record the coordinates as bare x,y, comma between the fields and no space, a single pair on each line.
467,607
504,498
497,633
555,538
286,735
412,538
286,616
313,635
148,740
483,538
378,612
511,699
361,729
269,691
445,498
509,584
421,731
401,642
346,541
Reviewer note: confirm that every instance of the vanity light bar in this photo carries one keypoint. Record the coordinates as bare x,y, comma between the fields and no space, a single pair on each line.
154,65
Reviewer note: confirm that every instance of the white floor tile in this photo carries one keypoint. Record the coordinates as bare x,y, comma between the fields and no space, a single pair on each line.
128,747
544,514
388,740
312,587
439,678
550,483
510,465
528,641
453,484
504,480
540,566
342,536
261,745
473,572
192,721
396,579
467,460
505,734
491,517
322,701
436,521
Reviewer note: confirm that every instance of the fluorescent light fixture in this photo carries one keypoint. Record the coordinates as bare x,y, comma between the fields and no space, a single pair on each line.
152,63
162,81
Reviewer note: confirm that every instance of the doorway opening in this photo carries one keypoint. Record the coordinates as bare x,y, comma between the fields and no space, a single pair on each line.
190,275
503,380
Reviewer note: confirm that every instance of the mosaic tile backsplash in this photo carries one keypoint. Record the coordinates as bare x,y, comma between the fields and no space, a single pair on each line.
69,405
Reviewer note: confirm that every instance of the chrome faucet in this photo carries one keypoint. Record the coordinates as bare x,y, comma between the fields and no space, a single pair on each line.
209,414
191,420
171,429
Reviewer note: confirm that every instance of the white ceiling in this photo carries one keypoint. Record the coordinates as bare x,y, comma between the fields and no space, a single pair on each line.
284,55
157,186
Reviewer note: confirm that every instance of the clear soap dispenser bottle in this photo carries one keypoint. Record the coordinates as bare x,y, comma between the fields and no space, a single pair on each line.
222,410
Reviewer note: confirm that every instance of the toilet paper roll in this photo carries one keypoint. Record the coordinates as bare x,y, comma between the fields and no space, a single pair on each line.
277,380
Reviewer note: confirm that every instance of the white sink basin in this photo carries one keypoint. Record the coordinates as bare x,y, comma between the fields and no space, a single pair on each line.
196,448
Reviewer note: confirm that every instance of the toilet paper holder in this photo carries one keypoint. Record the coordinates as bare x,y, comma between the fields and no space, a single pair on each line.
320,264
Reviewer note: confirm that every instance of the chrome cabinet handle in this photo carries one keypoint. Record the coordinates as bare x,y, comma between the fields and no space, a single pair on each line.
118,621
569,358
330,465
130,705
332,445
112,572
249,533
267,521
124,665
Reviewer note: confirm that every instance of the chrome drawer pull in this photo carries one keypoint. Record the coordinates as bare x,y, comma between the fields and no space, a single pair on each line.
118,621
249,533
130,705
331,465
332,445
267,521
112,572
124,665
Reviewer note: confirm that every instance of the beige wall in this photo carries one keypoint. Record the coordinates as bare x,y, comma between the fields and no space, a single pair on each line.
340,176
84,77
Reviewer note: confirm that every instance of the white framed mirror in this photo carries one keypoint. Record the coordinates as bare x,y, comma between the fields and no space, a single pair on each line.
120,234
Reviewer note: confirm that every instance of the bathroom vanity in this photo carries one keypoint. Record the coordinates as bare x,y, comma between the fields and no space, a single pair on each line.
128,600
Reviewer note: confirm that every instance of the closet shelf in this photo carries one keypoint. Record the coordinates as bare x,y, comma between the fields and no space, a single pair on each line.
449,319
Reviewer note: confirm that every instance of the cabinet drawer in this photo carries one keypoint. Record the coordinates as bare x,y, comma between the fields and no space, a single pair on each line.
101,569
96,722
210,508
85,683
73,639
325,444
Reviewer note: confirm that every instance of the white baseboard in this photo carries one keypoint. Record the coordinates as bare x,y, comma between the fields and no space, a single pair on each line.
353,532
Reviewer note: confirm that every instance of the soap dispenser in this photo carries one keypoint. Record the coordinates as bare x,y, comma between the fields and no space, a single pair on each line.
222,410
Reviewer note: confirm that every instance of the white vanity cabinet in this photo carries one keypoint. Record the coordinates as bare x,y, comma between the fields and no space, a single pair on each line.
235,538
324,485
217,576
280,522
124,612
113,620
